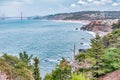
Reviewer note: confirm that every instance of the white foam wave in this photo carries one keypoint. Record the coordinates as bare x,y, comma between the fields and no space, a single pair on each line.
92,33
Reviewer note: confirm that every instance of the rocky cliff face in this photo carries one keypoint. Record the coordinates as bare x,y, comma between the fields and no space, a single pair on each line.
3,76
98,25
88,27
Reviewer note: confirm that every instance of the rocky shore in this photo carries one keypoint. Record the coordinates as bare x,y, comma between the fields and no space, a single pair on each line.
100,27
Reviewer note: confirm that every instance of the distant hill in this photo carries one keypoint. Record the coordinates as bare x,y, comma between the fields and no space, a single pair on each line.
83,15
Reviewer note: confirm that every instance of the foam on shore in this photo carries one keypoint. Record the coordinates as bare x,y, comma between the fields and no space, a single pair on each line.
92,33
74,21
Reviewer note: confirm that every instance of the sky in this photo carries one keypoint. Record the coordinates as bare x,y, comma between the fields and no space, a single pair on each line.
46,7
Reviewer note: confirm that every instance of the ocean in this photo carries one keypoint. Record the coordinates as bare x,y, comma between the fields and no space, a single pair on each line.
47,40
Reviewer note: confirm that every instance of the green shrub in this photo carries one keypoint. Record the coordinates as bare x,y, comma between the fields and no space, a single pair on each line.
79,77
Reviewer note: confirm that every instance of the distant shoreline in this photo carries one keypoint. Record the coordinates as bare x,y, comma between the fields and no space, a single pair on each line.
85,22
99,27
74,21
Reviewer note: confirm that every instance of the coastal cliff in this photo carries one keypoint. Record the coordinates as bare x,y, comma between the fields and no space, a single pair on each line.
99,26
82,15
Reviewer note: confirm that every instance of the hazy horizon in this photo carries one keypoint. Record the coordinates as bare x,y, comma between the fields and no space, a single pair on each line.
51,14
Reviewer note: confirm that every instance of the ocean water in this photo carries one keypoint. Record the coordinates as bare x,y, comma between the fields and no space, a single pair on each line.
48,40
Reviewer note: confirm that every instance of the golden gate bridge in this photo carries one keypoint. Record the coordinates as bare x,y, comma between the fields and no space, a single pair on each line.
21,17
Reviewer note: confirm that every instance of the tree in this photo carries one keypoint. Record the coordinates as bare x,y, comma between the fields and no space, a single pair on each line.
116,25
111,39
112,59
65,70
25,57
61,72
96,53
48,77
36,72
81,56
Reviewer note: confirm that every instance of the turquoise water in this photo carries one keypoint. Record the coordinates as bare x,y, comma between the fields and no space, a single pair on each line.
48,40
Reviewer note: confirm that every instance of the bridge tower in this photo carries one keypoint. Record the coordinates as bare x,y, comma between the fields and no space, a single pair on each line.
3,17
21,15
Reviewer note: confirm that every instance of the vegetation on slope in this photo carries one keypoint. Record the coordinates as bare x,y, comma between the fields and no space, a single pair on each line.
18,68
78,76
61,72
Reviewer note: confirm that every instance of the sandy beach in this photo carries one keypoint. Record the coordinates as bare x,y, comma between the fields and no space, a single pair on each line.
74,21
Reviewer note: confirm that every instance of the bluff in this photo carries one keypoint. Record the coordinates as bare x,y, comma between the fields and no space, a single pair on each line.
82,15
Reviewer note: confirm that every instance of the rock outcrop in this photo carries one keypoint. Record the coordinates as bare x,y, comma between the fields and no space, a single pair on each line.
3,76
98,25
111,76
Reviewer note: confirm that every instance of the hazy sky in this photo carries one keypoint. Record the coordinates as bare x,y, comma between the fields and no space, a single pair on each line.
44,7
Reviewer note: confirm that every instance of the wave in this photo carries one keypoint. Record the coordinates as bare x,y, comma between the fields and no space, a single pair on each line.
92,33
51,60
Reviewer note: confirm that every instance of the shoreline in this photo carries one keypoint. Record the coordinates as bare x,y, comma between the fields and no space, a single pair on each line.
98,27
92,33
85,22
100,33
